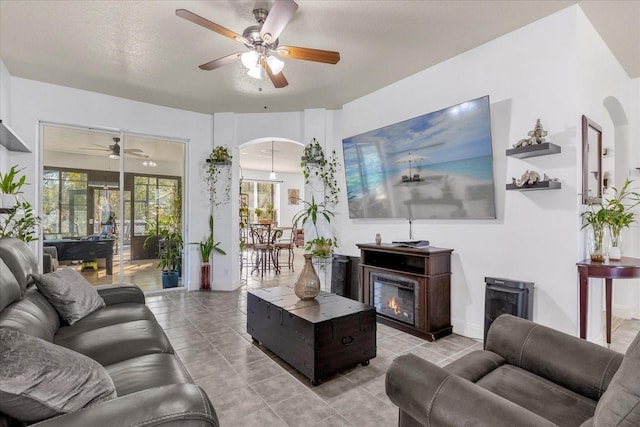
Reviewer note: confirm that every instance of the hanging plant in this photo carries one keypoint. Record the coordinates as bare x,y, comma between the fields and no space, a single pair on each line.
316,163
219,160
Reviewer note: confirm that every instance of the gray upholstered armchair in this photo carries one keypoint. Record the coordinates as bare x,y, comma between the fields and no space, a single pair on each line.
528,375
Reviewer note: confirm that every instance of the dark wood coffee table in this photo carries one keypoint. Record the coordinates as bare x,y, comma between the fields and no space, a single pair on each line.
319,337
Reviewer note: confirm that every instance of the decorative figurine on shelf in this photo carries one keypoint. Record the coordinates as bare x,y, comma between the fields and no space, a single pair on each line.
530,177
536,136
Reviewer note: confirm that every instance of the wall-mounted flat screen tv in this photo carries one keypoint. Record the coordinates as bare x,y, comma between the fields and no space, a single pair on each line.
435,166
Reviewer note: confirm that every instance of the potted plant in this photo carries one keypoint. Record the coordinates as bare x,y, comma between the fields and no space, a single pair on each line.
315,163
206,247
11,186
169,237
219,159
17,218
319,246
613,214
619,215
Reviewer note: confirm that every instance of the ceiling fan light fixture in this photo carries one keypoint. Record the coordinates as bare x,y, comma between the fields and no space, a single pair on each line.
250,59
114,156
255,72
275,64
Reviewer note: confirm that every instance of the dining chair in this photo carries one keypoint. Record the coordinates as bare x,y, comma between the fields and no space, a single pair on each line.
289,245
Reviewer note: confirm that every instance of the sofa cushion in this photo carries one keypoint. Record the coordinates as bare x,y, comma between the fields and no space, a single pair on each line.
107,316
148,371
32,315
39,380
9,287
549,400
69,293
551,354
118,342
620,404
20,259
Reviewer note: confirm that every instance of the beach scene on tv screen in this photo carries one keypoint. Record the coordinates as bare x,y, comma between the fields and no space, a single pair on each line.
435,166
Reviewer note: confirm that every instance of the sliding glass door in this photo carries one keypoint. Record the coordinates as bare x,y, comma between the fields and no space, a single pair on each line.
113,189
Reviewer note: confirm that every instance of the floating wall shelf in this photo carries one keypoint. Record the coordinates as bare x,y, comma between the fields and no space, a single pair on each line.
534,150
542,185
10,141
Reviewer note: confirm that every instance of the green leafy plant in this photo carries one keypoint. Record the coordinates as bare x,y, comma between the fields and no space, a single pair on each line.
613,212
171,252
18,220
208,245
219,159
618,209
10,183
319,246
316,164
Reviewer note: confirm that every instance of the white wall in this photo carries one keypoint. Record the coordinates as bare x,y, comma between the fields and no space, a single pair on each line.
5,111
529,74
34,101
234,130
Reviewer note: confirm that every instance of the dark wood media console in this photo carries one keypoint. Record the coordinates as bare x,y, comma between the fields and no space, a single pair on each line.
427,271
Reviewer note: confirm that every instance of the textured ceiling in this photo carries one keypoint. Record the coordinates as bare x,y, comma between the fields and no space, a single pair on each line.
141,50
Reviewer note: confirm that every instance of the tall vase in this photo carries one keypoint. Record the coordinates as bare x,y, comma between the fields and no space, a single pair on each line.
596,241
205,276
307,284
615,245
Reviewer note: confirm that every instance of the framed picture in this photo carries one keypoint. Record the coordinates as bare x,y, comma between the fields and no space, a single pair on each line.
294,196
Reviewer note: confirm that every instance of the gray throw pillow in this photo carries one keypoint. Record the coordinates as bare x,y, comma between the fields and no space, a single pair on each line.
39,380
69,293
620,404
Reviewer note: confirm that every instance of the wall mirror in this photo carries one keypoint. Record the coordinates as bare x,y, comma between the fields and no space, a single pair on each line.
591,161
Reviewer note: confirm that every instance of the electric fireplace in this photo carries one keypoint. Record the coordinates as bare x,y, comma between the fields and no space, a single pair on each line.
393,296
409,287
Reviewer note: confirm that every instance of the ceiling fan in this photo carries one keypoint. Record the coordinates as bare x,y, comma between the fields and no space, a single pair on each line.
114,150
262,43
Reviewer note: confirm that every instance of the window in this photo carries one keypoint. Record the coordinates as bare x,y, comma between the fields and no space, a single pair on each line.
155,199
64,203
261,195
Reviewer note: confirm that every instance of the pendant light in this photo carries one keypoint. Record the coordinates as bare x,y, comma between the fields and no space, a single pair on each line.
272,175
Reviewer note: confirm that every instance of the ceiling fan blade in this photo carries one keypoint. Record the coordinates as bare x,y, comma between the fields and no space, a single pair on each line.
278,18
278,80
217,63
132,150
95,149
196,19
306,54
141,156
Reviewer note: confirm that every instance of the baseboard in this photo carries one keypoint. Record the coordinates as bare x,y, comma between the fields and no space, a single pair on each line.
622,311
467,330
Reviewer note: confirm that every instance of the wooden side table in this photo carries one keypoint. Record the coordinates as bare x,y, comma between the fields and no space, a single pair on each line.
626,268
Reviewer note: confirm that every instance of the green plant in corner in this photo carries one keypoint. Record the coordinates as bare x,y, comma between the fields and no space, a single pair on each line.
18,220
219,159
10,183
208,245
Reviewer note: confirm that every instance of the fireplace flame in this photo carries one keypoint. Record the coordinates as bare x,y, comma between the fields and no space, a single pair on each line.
393,305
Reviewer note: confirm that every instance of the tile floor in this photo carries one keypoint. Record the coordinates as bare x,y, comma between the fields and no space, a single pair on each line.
250,386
